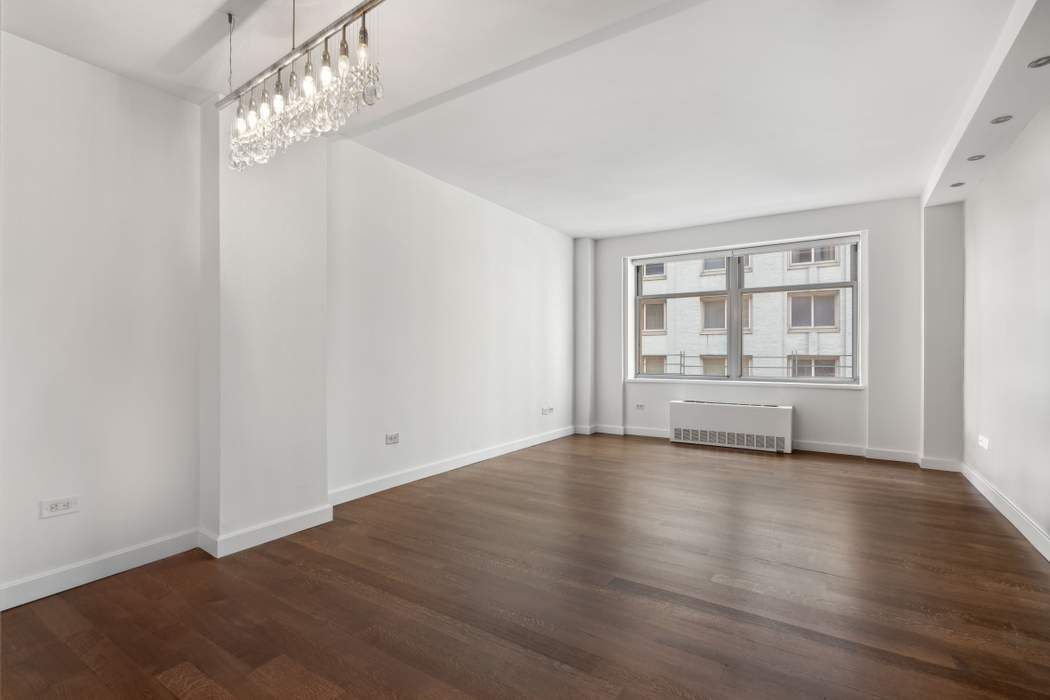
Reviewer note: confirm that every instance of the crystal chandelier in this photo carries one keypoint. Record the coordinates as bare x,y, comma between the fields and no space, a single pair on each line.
271,117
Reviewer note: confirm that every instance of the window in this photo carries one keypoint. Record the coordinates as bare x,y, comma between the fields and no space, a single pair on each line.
654,271
766,313
713,313
654,364
713,266
813,256
814,366
714,365
653,317
814,310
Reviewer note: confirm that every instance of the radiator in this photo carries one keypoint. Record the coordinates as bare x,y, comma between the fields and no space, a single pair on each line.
744,425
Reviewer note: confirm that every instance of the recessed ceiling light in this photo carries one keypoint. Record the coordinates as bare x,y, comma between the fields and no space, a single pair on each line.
1003,119
1040,62
976,157
957,184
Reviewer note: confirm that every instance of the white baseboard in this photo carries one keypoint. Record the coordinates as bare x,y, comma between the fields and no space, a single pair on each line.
47,583
939,463
609,429
382,483
584,429
1024,523
223,545
646,432
838,448
892,455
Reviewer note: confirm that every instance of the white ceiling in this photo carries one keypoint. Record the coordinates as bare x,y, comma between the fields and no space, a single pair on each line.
601,117
727,109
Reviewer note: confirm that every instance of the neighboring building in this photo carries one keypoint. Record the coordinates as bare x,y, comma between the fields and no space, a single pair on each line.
785,334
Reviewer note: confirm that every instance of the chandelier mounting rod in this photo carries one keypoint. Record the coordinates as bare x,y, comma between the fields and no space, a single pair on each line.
298,51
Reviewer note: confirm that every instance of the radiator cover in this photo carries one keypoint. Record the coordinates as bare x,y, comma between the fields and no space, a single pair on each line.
742,425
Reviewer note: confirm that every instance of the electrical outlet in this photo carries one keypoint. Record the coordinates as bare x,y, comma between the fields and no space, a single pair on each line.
639,407
59,506
982,442
393,438
547,411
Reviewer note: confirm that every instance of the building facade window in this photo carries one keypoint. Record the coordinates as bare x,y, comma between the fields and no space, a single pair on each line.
784,312
813,310
713,315
653,315
654,364
713,266
654,271
814,366
813,256
714,365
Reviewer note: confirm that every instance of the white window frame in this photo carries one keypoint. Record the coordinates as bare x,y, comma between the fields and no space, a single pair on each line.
736,291
715,270
813,257
703,365
811,363
662,330
792,326
713,330
658,276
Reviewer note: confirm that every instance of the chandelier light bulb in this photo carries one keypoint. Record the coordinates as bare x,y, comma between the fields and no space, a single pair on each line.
309,86
362,44
264,107
253,113
293,86
278,95
241,123
326,67
344,55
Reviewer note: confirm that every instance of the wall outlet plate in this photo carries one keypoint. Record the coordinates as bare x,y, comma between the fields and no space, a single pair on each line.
59,506
982,442
639,407
393,438
547,411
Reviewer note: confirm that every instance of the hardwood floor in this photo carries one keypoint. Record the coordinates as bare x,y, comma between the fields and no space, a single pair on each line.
586,567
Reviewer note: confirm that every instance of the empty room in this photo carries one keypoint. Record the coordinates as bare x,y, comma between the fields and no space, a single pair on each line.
524,348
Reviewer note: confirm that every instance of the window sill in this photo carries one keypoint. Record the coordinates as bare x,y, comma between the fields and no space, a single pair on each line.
755,383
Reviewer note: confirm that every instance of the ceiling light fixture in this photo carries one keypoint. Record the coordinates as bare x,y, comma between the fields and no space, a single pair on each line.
1003,119
312,106
957,184
1040,62
979,156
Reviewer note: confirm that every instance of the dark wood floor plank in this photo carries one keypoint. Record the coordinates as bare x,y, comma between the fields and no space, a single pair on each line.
593,566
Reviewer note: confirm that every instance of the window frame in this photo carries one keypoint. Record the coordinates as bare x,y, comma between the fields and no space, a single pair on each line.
812,327
662,330
735,292
713,330
813,252
724,270
659,276
811,361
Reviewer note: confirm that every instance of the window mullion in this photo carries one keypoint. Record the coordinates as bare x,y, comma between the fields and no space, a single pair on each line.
734,333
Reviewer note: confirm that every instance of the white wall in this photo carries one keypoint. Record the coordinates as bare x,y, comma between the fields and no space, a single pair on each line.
881,420
450,322
272,332
583,334
942,329
100,187
1007,375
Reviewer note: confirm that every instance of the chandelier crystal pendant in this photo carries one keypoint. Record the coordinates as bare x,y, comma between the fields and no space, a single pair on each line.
317,103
